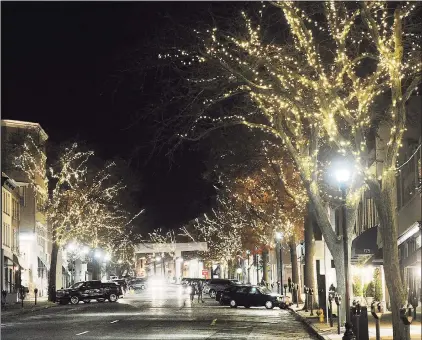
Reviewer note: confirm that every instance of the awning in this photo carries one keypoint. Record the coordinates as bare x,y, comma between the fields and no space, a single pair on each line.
365,245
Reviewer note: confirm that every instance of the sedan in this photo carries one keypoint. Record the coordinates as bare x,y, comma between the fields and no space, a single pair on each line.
252,296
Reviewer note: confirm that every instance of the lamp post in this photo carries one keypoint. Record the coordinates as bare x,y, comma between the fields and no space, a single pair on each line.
343,174
248,252
279,237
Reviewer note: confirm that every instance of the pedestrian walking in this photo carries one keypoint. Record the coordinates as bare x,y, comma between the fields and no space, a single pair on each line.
192,291
200,289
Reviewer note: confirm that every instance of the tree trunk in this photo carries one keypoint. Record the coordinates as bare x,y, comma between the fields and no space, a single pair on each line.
53,271
309,273
265,265
293,259
386,202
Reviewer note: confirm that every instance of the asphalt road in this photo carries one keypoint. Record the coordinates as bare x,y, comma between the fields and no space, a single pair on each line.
156,313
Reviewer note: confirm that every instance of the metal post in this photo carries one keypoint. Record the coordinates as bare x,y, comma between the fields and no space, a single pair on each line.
281,265
297,296
249,269
257,270
346,253
377,329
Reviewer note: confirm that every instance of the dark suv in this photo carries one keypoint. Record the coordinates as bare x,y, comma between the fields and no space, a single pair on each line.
89,290
216,285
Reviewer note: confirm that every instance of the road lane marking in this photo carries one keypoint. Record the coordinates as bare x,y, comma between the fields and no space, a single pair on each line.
213,322
114,321
82,333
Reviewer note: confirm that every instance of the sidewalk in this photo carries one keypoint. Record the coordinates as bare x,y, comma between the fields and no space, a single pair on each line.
28,307
324,331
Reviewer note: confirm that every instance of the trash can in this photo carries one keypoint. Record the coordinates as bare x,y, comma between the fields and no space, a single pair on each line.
363,324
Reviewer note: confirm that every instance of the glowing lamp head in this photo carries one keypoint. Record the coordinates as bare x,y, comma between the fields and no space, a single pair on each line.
98,254
85,250
342,175
278,236
158,258
239,270
71,246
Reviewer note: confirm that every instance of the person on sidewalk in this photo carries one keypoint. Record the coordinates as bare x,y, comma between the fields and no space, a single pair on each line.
192,292
200,289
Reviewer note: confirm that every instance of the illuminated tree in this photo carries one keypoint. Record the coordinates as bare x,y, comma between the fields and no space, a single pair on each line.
315,90
78,207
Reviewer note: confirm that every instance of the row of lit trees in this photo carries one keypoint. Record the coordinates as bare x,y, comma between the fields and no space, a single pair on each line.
83,203
339,73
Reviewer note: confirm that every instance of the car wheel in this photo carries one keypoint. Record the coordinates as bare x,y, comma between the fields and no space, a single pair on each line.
87,301
100,300
142,287
233,304
112,298
269,305
74,300
212,293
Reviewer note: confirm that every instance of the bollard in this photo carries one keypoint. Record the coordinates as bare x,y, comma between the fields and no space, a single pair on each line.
330,312
306,289
377,310
311,294
36,293
285,289
297,296
348,334
278,287
337,300
289,280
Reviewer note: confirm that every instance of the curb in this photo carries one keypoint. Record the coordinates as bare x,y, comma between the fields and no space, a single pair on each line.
5,314
309,325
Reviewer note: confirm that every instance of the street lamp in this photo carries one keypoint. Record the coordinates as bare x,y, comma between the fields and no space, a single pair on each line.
343,175
248,252
279,237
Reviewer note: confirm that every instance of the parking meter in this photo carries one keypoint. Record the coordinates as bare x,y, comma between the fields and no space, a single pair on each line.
337,299
297,295
289,281
406,314
377,310
306,290
330,302
285,289
311,294
36,293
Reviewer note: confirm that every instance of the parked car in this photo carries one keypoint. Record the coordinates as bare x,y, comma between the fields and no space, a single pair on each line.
248,296
220,293
138,284
215,285
89,290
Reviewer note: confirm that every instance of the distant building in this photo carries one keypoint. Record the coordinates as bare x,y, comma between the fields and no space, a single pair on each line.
10,255
34,236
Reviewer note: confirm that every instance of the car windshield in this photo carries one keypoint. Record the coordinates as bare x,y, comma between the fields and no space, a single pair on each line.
264,290
77,285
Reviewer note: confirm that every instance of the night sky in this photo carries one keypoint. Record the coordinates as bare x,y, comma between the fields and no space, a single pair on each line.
62,65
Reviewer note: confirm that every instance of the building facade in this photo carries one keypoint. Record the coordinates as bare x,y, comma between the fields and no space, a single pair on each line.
10,257
34,236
